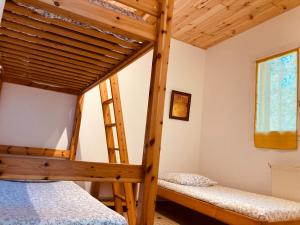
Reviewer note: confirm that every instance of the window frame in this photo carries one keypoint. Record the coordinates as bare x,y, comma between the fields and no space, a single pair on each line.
297,51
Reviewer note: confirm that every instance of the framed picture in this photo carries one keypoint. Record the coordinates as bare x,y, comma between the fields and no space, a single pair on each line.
180,105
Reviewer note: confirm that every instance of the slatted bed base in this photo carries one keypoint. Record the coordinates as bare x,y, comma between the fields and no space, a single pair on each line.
218,213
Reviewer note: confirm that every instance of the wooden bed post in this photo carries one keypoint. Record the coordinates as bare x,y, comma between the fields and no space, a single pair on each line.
76,127
1,74
1,82
151,154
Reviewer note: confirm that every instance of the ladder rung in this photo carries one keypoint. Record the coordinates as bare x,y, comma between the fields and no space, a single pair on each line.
122,197
110,125
113,149
108,101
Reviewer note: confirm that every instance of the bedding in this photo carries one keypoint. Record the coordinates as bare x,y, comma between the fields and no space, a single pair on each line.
260,207
52,203
190,179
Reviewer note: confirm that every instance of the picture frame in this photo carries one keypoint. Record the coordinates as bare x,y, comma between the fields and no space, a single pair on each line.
180,105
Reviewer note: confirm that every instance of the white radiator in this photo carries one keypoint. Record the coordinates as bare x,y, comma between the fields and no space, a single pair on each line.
286,182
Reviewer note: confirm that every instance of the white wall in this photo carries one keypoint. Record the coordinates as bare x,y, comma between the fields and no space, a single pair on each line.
46,121
181,143
227,149
34,117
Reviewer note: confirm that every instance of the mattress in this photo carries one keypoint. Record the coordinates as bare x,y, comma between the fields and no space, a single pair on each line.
52,203
260,207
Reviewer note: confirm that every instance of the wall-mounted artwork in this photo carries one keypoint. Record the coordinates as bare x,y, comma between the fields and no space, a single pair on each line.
180,105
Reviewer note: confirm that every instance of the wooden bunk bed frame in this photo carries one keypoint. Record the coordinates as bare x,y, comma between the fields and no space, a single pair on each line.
73,55
213,211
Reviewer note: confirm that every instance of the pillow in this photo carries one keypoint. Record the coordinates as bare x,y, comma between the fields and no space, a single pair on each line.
189,179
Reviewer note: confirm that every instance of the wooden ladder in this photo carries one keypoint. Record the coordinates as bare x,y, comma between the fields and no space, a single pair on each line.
117,125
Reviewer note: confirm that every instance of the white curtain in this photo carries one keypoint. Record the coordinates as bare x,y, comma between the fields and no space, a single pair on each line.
276,106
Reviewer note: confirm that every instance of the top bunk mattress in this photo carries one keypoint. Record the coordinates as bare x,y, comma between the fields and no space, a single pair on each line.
52,203
260,207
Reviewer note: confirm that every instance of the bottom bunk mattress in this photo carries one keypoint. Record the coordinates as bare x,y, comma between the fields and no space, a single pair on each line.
259,207
49,203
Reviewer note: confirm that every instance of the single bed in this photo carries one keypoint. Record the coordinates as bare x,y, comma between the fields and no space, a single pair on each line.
52,203
232,206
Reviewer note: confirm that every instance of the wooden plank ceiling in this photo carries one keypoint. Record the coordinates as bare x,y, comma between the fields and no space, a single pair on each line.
204,23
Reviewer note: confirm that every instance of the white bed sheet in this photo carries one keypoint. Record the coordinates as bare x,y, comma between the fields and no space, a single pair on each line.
52,203
257,206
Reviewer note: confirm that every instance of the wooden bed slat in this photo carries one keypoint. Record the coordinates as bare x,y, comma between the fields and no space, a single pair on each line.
13,62
13,67
19,51
73,39
40,79
37,62
55,48
26,167
18,150
147,6
47,39
25,46
67,33
40,85
98,16
110,39
122,65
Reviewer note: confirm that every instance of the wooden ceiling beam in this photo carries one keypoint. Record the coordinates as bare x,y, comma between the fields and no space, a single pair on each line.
43,38
39,50
26,167
98,16
110,39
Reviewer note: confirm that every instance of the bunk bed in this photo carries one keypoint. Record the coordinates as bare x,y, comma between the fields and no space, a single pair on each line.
232,206
70,47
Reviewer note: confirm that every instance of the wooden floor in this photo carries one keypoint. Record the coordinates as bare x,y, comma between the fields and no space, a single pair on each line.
169,213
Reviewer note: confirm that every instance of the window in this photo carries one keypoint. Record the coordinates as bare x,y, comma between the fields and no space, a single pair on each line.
276,101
